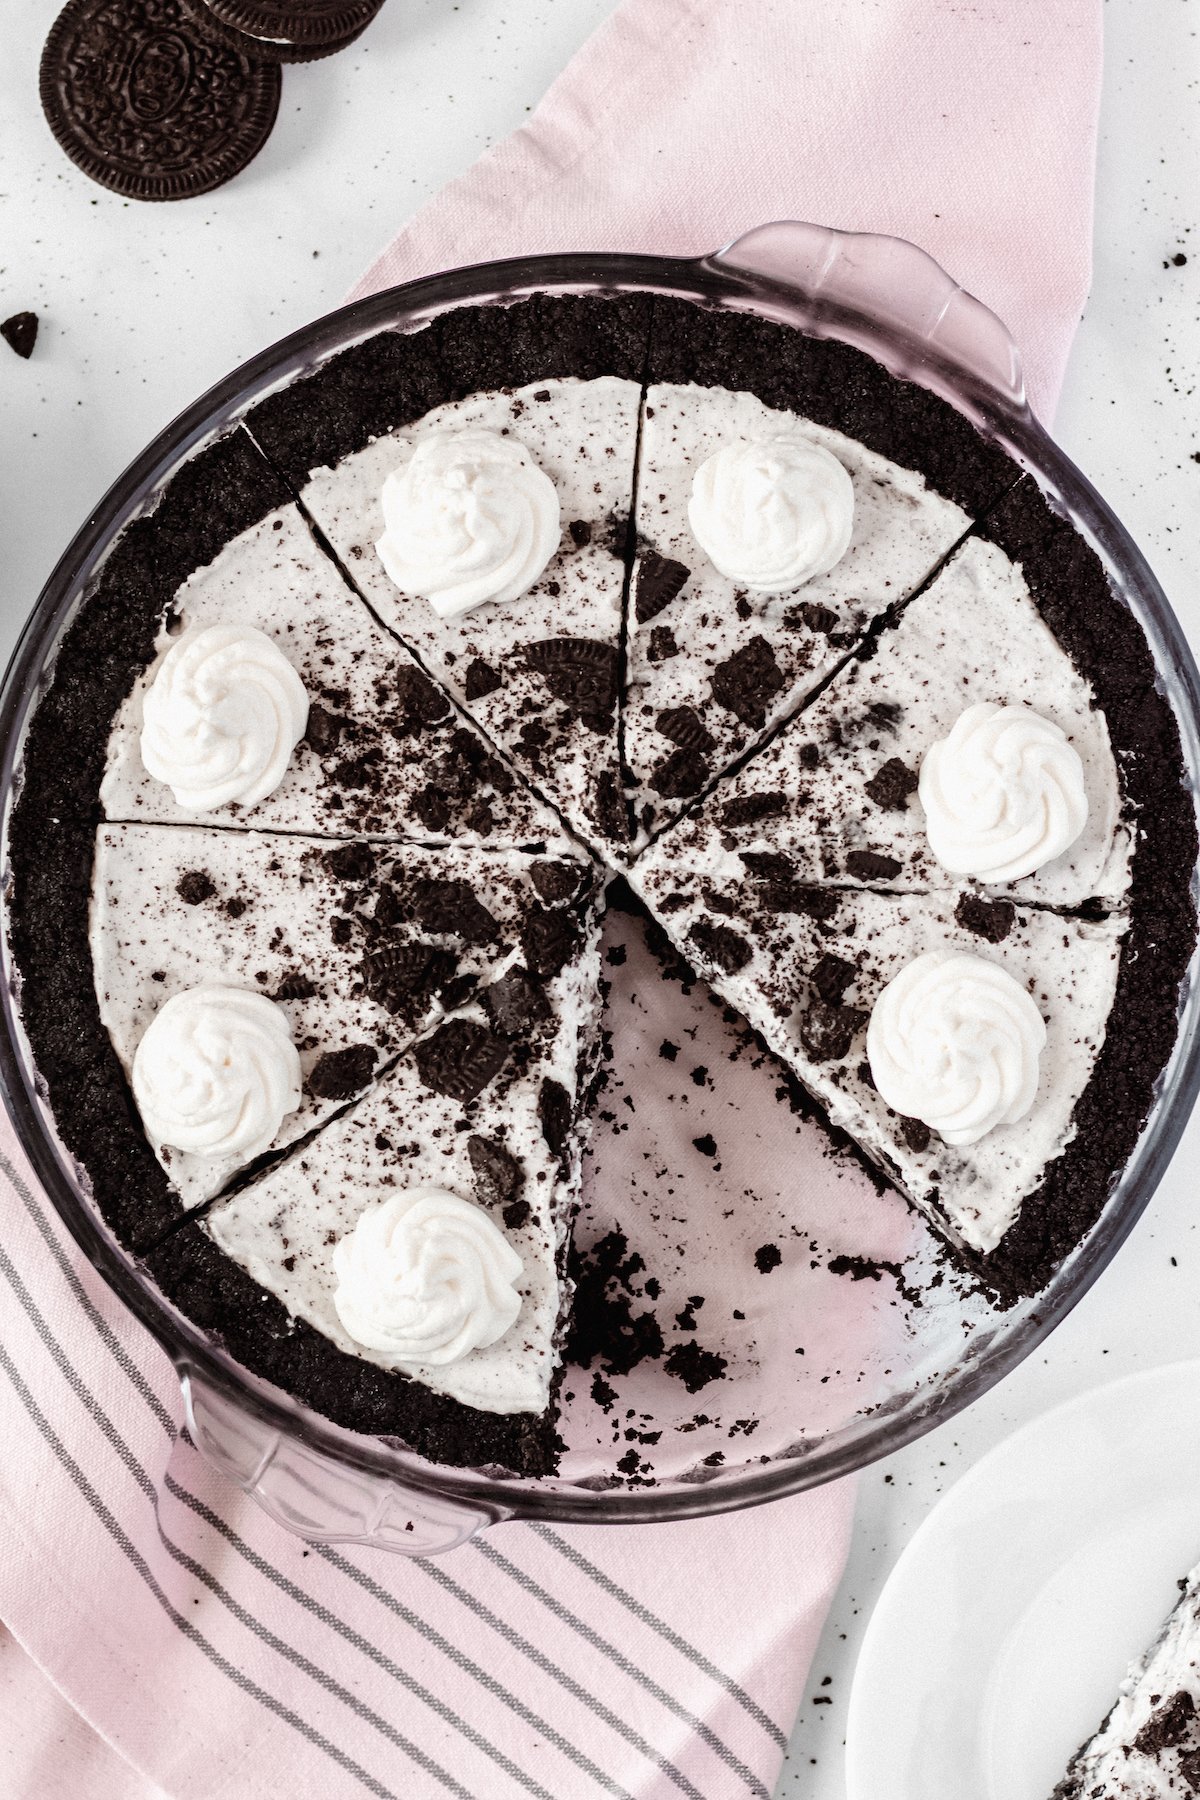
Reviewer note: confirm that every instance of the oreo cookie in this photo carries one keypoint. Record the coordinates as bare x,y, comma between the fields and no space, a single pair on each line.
659,580
311,24
283,47
147,105
340,1074
269,48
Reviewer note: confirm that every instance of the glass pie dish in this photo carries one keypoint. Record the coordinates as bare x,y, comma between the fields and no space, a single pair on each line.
922,1360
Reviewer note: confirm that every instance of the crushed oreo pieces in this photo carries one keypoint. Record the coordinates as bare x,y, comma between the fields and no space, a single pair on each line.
340,1073
460,1059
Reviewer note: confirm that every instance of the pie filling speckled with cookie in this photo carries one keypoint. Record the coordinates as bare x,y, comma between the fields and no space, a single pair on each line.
355,728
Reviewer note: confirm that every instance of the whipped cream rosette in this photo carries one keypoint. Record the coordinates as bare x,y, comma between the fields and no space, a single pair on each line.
954,1040
222,717
217,1072
425,1277
1003,794
468,518
774,513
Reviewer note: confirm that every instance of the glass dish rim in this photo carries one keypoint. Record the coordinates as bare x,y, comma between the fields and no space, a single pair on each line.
868,1435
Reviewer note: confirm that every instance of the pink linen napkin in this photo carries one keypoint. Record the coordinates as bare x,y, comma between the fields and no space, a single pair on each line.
970,129
211,1651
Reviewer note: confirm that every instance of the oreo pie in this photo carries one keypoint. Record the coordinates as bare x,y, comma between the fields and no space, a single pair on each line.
352,727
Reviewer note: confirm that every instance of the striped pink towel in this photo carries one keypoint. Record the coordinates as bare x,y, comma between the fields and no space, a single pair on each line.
209,1650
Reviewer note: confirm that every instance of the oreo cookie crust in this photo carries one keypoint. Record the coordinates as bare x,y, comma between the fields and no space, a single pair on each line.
395,377
218,1296
222,491
148,105
1104,639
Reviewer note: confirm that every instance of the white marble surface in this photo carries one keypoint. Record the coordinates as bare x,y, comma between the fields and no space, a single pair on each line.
143,307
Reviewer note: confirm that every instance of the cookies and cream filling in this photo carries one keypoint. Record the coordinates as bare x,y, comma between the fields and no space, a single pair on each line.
766,546
424,1230
963,743
436,519
959,1044
1149,1745
209,948
276,701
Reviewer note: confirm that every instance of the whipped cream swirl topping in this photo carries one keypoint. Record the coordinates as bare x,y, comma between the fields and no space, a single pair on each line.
955,1041
425,1277
470,517
772,515
216,1072
1003,794
222,716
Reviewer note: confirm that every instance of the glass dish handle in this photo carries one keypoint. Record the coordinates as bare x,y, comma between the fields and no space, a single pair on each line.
893,283
320,1500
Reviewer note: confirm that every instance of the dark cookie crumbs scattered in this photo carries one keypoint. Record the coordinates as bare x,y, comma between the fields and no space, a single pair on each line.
481,679
659,580
403,976
557,882
680,776
581,673
195,886
694,1366
556,1115
988,919
721,945
460,1059
751,809
20,333
515,1003
499,1177
872,865
891,785
549,939
746,682
767,1257
340,1073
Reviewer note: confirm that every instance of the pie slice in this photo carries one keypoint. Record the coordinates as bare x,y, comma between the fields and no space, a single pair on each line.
384,752
538,669
1149,1745
841,791
715,659
1021,1021
253,984
405,1268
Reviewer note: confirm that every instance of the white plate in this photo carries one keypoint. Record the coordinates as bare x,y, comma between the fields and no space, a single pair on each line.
998,1643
